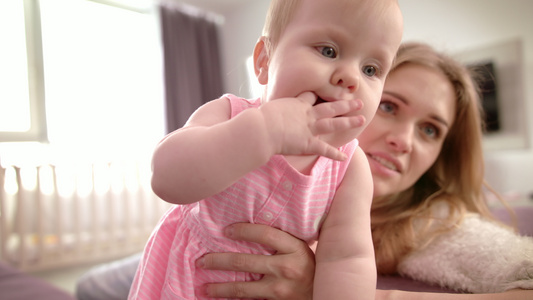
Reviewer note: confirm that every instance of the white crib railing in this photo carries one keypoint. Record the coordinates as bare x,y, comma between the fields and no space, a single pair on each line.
58,216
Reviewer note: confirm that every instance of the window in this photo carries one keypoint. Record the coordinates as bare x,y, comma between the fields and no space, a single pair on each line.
22,112
102,81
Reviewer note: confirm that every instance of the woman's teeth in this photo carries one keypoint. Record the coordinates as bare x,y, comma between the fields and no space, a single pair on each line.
385,163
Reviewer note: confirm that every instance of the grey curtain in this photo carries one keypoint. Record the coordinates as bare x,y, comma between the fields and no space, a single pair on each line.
191,62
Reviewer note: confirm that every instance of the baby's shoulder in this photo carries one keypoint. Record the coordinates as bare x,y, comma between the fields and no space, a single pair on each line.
211,113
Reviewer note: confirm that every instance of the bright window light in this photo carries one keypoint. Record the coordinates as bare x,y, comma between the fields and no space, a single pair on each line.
103,77
14,94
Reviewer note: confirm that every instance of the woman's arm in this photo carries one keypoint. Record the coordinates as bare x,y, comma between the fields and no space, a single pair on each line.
478,256
403,295
289,273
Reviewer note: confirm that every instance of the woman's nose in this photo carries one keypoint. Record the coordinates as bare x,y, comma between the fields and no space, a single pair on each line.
400,139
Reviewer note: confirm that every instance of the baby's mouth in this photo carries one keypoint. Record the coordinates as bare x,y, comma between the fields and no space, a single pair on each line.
319,101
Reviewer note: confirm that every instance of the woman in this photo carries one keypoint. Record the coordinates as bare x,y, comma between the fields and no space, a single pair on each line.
424,149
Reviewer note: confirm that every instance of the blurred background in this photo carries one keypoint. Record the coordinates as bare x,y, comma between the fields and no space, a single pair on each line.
88,87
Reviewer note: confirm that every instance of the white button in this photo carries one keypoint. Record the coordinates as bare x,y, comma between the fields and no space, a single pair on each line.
267,216
287,185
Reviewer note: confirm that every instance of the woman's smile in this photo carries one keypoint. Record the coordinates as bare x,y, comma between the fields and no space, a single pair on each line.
386,162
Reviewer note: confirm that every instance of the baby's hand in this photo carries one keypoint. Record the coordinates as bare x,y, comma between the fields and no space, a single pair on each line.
294,124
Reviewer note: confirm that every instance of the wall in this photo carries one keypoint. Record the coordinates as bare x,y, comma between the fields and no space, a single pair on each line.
452,26
456,25
243,26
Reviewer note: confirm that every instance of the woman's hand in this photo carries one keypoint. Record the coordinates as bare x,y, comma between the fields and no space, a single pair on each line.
287,275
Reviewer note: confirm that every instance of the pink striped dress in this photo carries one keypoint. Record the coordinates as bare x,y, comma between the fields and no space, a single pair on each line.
275,194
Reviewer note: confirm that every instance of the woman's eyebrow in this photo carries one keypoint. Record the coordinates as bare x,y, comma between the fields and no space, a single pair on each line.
440,120
404,100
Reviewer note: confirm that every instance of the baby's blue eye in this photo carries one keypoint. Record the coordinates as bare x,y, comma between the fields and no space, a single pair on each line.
328,52
370,70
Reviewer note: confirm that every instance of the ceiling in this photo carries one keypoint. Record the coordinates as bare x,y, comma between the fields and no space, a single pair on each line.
218,6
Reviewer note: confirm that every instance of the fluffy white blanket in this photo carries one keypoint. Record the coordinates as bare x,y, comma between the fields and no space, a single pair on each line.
477,257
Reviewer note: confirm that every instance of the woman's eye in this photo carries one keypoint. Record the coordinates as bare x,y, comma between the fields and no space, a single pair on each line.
370,70
328,52
430,131
387,107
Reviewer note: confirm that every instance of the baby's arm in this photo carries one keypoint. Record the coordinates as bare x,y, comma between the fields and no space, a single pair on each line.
213,151
345,265
209,153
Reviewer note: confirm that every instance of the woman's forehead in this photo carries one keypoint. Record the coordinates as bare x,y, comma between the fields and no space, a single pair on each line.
428,90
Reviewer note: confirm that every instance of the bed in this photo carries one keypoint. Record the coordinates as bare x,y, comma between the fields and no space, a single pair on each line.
15,285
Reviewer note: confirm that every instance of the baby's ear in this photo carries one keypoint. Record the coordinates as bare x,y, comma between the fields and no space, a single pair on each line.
261,60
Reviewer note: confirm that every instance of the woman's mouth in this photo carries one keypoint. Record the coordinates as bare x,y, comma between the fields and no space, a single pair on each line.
385,162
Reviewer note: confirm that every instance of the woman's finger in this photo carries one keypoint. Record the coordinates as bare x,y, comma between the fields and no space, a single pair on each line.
281,241
239,262
253,289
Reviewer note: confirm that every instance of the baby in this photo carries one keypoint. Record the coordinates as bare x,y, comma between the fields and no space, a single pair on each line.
289,159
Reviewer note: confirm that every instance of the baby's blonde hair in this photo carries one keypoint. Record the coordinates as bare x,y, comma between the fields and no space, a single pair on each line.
280,14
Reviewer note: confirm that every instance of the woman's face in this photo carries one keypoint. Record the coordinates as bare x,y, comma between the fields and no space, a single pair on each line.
405,137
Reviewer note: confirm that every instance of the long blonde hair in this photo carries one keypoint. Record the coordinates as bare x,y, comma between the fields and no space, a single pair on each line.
402,222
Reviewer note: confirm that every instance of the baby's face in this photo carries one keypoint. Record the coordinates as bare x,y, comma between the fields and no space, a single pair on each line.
341,49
